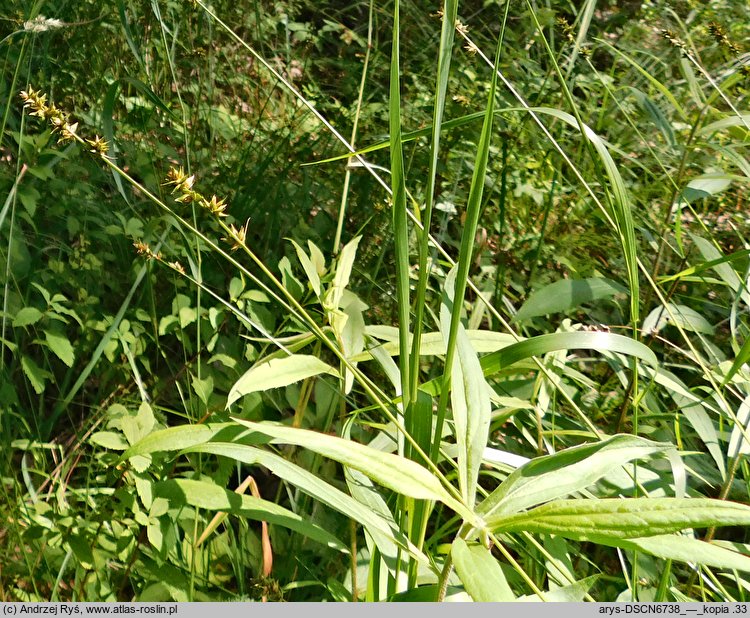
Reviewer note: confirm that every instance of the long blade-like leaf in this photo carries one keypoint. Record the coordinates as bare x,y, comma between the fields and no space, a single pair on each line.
383,533
589,520
554,476
205,495
397,473
278,372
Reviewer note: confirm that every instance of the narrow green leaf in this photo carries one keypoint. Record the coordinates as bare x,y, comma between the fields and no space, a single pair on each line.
554,476
699,268
664,90
396,473
572,593
726,123
317,258
433,344
622,207
351,334
186,436
309,268
743,356
205,495
589,340
480,573
623,518
343,273
277,373
399,216
470,402
693,409
567,294
8,344
445,54
738,443
658,117
675,547
724,270
462,268
384,533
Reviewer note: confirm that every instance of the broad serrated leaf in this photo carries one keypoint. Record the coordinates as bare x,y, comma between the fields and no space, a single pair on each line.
27,316
36,375
277,373
109,439
60,346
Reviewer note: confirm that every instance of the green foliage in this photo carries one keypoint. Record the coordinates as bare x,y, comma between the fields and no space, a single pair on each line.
492,345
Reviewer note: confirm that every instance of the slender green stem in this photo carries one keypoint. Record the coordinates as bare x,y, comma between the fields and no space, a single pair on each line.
360,97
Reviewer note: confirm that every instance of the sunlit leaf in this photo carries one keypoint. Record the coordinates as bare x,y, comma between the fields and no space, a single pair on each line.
60,346
277,373
27,316
470,402
624,518
554,476
396,473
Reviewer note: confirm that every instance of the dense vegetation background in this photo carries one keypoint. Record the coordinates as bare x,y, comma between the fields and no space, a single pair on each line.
233,365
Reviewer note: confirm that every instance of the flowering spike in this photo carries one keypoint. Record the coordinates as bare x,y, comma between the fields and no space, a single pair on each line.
237,235
215,206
